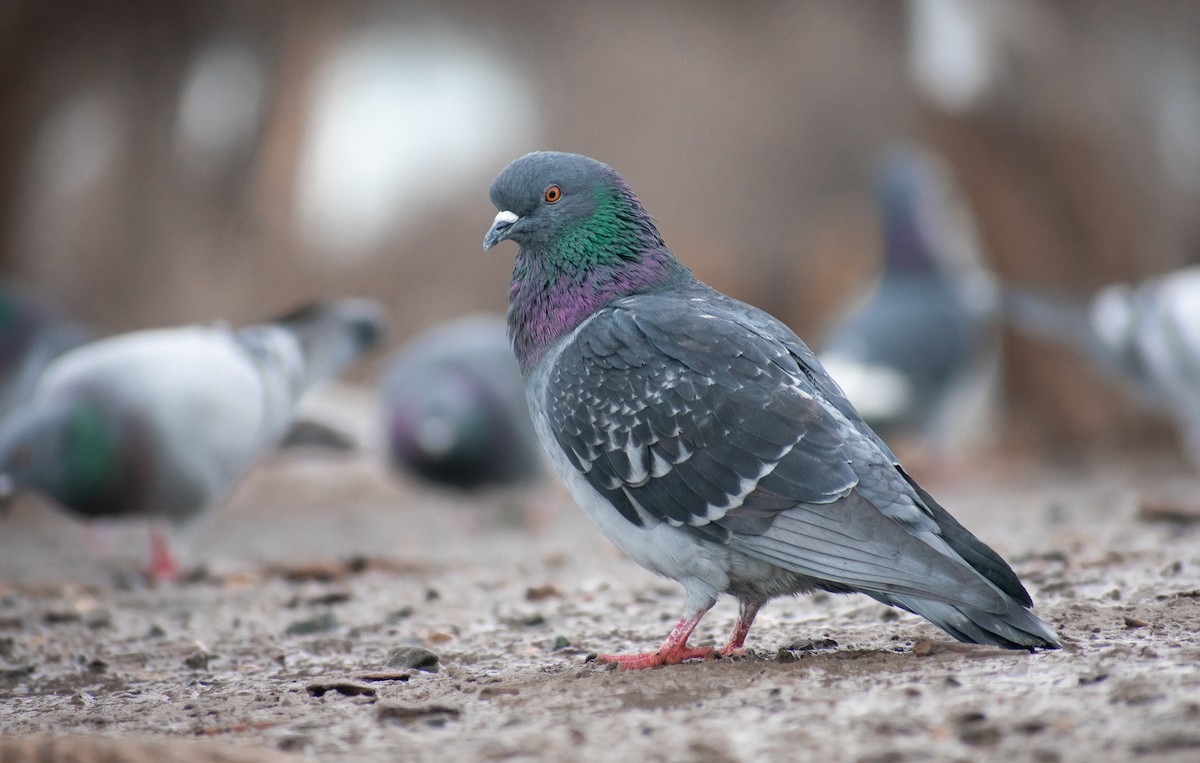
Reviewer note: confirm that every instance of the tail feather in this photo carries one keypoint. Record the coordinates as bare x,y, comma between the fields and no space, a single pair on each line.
1016,628
974,552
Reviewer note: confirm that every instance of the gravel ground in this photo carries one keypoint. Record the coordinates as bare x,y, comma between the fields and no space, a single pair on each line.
336,612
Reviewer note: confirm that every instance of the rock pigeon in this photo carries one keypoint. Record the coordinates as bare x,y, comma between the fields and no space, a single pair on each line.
912,356
161,423
706,440
32,334
1148,335
454,407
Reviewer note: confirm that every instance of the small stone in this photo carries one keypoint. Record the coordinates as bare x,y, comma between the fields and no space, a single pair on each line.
1172,510
1133,622
328,599
101,618
293,743
16,673
197,660
345,687
416,657
923,648
400,614
430,715
560,643
541,593
812,645
319,624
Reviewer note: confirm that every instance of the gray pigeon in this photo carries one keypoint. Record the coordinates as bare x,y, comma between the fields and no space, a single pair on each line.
454,408
161,423
706,440
1147,335
913,353
32,334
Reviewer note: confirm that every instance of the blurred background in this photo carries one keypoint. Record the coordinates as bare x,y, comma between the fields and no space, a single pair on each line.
171,162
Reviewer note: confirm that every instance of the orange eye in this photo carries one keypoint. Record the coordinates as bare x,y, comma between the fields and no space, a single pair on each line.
553,194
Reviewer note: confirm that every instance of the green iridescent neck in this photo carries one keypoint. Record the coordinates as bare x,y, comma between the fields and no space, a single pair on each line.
615,252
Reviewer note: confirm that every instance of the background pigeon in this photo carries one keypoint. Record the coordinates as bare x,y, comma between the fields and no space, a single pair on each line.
706,440
32,334
1148,335
921,353
160,423
454,407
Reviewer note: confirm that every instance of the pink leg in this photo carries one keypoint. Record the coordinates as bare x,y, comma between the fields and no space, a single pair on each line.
673,651
162,567
747,610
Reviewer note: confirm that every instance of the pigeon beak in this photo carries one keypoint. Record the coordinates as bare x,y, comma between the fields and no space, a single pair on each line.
499,230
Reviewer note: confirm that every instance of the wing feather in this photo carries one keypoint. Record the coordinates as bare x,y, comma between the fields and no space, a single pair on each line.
723,422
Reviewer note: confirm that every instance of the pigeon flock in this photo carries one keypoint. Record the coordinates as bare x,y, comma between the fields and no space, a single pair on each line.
700,434
706,440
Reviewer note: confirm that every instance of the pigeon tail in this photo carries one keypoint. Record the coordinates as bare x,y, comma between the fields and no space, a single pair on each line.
1016,628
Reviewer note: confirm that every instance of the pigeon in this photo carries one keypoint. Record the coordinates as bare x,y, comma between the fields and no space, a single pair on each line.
32,334
910,356
706,440
454,408
1147,334
161,423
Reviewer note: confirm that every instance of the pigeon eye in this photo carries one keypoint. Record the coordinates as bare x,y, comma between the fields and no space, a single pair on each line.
553,194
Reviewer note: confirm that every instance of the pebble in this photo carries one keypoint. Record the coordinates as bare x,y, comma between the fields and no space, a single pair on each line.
319,624
417,657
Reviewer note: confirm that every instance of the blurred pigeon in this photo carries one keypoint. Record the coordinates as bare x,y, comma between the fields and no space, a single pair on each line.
31,335
454,407
1148,335
161,423
706,440
922,349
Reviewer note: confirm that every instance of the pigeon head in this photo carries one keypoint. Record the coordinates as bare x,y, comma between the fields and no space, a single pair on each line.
69,452
545,198
583,240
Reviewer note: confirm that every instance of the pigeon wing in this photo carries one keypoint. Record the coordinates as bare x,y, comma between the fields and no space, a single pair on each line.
693,409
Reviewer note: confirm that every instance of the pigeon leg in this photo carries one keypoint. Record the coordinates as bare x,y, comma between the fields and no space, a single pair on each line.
747,610
162,567
673,651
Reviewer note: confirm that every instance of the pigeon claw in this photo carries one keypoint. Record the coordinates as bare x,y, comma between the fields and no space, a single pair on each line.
665,656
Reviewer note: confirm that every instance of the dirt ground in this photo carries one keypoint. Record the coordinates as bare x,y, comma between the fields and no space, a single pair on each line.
337,612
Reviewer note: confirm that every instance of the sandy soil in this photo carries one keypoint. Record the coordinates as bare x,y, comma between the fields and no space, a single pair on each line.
339,613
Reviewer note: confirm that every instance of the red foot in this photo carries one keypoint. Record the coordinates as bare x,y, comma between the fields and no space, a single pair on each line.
162,567
665,656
